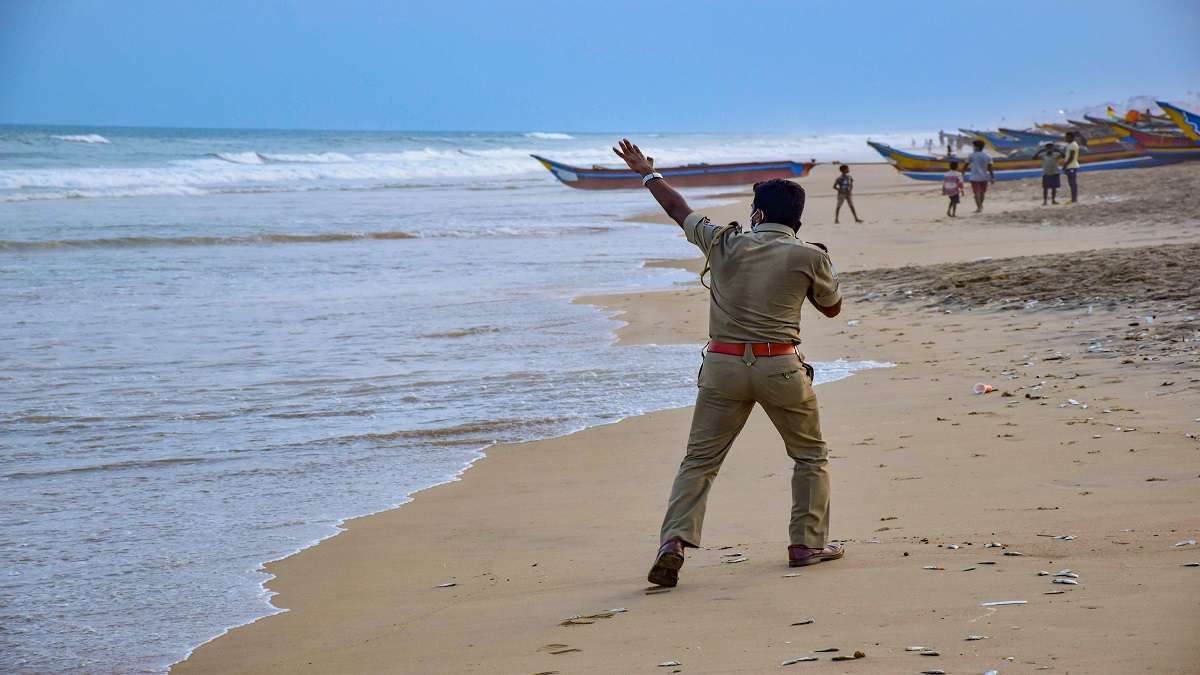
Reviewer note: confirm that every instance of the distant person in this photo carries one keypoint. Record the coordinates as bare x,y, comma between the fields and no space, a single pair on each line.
845,187
952,187
1071,165
941,137
980,173
928,145
1051,181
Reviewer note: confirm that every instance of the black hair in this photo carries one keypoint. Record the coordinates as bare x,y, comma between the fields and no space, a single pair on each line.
978,144
844,168
1070,135
781,201
953,165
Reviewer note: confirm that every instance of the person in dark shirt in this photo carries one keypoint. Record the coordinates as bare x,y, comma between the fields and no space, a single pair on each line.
844,186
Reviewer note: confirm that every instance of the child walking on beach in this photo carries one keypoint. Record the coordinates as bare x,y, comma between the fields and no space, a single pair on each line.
844,186
952,187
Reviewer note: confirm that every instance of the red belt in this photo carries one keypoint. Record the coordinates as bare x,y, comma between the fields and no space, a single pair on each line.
758,349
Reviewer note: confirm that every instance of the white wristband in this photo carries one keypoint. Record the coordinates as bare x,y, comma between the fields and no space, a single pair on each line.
649,177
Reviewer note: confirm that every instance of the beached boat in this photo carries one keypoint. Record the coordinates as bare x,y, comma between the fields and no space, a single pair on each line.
995,140
691,175
928,167
1189,123
1143,137
1031,138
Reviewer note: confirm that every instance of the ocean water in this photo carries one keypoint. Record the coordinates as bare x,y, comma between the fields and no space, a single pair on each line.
219,344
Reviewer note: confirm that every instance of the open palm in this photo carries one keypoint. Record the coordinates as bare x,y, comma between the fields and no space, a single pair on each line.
634,158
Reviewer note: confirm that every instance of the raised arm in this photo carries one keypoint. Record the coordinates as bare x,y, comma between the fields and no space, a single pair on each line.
668,198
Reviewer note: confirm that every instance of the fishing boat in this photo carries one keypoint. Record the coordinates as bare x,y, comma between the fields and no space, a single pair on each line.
928,167
1189,123
1031,137
690,175
996,140
1174,138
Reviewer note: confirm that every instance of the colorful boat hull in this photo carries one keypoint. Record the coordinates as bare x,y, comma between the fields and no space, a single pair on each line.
1187,121
925,167
692,175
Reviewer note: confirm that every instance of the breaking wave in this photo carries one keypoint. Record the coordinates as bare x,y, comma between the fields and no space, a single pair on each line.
549,136
200,240
83,138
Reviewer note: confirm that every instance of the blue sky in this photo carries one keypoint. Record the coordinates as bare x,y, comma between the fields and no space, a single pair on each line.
651,65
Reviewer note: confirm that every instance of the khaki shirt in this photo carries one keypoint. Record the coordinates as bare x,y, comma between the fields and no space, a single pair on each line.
760,279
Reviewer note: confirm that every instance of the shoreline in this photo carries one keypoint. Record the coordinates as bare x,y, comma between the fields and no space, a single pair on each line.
672,315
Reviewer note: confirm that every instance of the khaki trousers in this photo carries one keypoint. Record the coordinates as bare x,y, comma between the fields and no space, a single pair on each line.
729,388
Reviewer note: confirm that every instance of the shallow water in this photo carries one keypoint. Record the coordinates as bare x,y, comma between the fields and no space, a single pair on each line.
217,347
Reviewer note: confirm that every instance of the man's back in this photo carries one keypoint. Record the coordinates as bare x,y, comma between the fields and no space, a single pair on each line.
760,279
979,161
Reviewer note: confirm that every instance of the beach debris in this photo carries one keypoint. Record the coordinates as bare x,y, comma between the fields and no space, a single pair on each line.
1191,564
1013,553
1053,592
847,657
1002,603
973,638
553,646
1066,573
914,649
1072,401
568,650
669,664
986,562
447,584
799,659
1043,573
993,544
740,558
1186,542
576,622
981,388
827,650
934,671
1071,582
791,574
968,569
852,322
952,547
655,590
931,652
803,622
992,672
933,567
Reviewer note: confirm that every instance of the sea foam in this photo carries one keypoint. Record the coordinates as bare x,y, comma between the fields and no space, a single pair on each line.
83,138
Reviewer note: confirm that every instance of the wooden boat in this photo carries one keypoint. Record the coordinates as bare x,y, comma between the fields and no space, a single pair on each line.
1144,138
995,140
1031,138
1189,123
927,167
691,175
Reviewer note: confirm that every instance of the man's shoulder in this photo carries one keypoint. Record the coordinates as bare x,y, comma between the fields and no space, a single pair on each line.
804,251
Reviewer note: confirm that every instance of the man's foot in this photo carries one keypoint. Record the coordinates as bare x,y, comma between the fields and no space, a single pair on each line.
801,556
666,566
835,222
1054,203
858,220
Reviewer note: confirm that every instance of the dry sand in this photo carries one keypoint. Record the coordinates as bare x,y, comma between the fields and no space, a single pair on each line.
1091,433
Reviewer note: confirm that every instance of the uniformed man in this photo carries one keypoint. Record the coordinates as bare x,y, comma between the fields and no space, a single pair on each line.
760,280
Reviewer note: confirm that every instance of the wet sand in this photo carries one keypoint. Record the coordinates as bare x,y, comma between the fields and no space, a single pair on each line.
1090,434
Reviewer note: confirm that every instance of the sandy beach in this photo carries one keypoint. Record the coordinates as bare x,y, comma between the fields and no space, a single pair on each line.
1084,318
